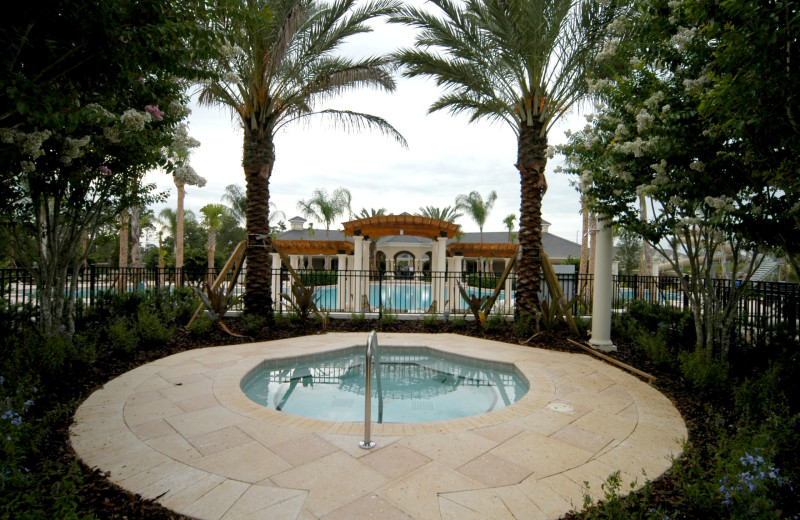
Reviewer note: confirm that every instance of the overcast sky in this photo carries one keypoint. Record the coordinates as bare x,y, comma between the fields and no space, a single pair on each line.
446,155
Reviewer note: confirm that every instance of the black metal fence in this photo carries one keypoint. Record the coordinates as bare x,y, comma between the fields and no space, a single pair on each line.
764,305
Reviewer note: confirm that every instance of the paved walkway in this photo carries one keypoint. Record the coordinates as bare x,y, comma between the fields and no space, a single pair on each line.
180,430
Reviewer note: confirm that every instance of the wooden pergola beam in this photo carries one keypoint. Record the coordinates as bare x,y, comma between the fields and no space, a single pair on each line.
315,247
386,225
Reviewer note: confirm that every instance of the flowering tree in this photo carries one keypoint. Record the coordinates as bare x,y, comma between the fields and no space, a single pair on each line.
649,140
91,100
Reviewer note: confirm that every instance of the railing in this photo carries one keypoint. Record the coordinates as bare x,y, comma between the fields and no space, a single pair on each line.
372,351
763,306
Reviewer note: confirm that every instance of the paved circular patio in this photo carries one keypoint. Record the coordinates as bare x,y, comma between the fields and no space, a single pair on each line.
181,431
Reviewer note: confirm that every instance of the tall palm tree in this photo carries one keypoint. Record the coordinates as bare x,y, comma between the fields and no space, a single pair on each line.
169,218
283,63
477,208
213,215
373,241
446,213
523,62
237,205
509,222
324,208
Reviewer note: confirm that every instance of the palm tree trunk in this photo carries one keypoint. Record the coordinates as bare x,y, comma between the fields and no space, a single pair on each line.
212,247
531,162
258,159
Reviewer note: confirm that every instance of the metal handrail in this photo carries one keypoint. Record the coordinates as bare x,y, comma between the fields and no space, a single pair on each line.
371,351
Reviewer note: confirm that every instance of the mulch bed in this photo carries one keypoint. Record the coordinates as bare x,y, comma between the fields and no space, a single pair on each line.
106,500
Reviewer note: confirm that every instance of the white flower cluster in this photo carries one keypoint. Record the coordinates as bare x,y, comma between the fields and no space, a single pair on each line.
101,111
637,147
653,101
183,142
648,190
660,168
178,109
722,203
135,120
30,144
636,61
230,77
618,25
111,134
697,166
596,86
74,148
551,152
683,37
644,121
621,130
185,174
694,86
230,51
609,49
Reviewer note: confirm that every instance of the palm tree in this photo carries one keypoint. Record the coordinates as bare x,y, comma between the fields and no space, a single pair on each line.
446,213
323,208
477,208
237,205
213,215
169,219
523,62
281,63
373,241
509,222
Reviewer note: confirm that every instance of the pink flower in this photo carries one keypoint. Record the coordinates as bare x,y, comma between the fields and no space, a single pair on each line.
154,111
105,170
141,80
122,39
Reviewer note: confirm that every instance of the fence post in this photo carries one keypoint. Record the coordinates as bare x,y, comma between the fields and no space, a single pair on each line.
380,293
685,293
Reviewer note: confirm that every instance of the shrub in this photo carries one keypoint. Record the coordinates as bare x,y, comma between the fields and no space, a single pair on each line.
121,336
495,323
388,317
431,320
251,323
151,329
524,325
317,278
201,325
459,323
706,375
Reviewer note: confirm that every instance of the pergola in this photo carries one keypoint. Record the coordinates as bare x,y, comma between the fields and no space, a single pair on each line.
386,225
315,247
482,250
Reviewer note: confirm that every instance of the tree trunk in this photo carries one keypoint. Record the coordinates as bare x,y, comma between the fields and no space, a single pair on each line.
531,162
179,226
136,260
584,266
124,233
258,157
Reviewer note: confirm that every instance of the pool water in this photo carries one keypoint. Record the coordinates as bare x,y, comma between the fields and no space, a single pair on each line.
396,296
417,384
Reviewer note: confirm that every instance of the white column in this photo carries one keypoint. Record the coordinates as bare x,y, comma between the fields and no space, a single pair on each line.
358,266
455,295
365,266
439,265
276,281
507,290
341,282
601,304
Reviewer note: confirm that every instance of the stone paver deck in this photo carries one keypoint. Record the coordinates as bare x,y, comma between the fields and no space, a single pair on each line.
181,431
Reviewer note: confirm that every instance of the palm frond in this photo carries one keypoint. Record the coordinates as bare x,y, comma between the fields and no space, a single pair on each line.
357,121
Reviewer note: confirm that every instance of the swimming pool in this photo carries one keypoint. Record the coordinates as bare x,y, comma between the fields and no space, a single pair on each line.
396,296
418,384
